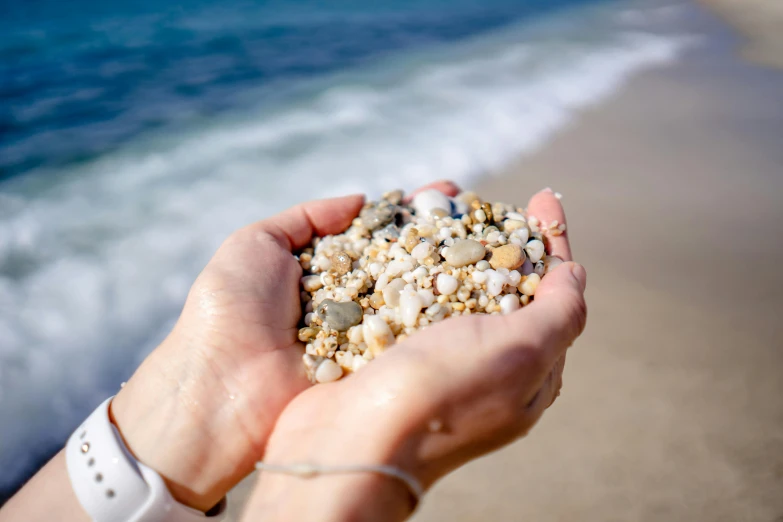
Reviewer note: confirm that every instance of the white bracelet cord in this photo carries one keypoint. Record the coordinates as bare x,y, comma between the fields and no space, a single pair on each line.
312,470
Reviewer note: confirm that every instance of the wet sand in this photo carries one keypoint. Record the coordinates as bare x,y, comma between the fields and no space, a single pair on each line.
673,401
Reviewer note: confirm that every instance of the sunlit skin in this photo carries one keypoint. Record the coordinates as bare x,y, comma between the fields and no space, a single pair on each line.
227,387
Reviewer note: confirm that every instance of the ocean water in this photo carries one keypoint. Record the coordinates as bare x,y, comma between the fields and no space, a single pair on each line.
135,136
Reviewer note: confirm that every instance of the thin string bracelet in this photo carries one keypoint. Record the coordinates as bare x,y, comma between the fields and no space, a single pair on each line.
313,470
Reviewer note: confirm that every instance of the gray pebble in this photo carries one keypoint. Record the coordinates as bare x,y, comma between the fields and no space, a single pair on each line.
340,316
377,216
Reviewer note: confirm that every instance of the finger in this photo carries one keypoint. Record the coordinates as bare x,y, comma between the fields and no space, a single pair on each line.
525,344
558,314
294,228
547,208
447,187
545,328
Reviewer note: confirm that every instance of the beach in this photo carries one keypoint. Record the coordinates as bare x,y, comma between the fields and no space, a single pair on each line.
672,407
136,152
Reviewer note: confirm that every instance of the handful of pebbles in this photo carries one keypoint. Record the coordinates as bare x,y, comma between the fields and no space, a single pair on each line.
403,266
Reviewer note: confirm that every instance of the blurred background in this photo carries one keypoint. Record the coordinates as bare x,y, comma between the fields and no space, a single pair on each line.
135,136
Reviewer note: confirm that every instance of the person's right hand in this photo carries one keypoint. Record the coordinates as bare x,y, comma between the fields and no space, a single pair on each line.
446,395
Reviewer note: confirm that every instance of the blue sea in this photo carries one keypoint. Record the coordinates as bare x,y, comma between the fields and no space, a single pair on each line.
134,136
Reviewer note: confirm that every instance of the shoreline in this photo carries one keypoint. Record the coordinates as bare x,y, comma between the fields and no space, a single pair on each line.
672,404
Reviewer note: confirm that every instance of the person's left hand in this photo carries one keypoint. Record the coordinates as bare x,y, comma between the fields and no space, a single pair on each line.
200,408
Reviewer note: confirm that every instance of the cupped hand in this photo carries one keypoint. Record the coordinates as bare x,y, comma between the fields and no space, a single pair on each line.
200,408
451,392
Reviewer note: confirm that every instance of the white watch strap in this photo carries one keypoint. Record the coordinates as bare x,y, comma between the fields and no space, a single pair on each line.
112,486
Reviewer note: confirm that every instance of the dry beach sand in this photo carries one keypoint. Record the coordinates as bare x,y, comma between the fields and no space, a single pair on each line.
673,401
760,22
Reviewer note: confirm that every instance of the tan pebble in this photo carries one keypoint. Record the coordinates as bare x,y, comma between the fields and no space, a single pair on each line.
394,197
529,284
467,197
307,334
341,262
458,306
376,300
487,208
507,256
438,213
465,252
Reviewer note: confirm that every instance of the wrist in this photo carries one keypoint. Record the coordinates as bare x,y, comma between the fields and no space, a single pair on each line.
189,440
333,497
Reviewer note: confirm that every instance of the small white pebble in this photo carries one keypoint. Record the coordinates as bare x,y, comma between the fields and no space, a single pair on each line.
509,303
312,283
483,265
421,251
535,250
328,371
447,284
410,306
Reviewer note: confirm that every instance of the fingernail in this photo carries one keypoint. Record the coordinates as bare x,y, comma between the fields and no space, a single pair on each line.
580,275
547,190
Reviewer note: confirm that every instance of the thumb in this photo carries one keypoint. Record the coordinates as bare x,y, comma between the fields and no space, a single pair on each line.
558,314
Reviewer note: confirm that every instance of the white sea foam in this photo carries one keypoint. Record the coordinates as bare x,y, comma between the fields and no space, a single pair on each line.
95,267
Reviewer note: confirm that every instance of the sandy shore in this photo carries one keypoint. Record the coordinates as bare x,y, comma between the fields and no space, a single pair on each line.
673,401
760,22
